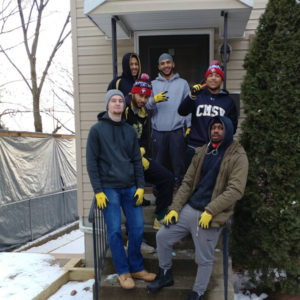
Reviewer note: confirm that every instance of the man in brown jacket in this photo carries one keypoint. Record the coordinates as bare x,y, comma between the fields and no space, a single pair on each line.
215,180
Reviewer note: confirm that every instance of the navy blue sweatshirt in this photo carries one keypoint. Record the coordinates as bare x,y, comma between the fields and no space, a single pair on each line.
203,108
113,155
210,167
126,79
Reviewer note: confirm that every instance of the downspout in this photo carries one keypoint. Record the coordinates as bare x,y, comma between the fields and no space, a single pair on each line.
225,15
114,45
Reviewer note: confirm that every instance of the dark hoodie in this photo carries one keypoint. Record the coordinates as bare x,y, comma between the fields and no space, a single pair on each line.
113,156
211,166
126,79
203,108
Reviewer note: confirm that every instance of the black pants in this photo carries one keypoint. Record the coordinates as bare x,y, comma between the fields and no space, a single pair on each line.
163,179
168,149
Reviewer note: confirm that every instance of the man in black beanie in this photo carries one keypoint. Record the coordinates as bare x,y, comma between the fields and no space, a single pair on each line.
215,180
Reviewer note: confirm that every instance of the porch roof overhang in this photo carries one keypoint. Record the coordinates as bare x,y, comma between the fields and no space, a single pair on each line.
145,15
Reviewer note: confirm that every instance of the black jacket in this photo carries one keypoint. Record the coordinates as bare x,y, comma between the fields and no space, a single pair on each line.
126,80
113,156
140,121
205,107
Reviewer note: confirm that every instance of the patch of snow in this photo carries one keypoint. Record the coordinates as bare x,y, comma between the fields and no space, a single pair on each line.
25,275
62,244
74,290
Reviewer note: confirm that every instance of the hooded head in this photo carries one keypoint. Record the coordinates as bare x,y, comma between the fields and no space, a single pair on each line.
215,67
227,130
111,93
126,65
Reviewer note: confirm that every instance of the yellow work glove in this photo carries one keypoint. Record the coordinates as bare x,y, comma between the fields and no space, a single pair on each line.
138,196
196,89
145,163
205,220
161,97
171,218
101,200
187,132
143,151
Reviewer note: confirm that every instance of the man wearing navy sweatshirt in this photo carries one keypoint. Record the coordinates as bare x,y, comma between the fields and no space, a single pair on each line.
204,103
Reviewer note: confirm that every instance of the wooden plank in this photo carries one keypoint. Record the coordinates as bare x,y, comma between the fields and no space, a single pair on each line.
81,274
53,287
34,134
72,263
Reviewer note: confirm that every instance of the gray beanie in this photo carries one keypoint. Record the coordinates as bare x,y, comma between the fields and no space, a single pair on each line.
165,56
111,93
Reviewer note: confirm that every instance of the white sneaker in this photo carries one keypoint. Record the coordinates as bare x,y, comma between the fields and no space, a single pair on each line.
145,248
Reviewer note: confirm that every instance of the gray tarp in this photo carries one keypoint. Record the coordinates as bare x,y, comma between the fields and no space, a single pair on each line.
37,187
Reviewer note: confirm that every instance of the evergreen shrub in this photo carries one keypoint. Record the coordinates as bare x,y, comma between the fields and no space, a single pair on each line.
266,227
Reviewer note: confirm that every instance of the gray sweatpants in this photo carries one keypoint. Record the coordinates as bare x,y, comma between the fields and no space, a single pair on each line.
205,241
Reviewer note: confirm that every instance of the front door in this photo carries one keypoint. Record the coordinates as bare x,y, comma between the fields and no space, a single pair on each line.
190,53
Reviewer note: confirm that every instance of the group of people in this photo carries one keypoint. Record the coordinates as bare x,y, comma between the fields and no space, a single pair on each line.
189,133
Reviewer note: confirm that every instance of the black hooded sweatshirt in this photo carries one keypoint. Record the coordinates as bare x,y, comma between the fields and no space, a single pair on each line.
211,166
126,79
113,155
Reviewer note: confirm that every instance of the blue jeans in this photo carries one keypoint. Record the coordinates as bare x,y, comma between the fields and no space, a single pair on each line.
123,197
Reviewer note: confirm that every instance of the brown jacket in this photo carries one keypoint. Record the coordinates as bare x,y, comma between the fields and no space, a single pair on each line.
229,187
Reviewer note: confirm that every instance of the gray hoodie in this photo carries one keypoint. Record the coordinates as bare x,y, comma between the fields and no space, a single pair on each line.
164,114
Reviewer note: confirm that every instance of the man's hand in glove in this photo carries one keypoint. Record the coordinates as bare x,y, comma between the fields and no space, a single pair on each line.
145,163
101,200
171,218
187,132
205,220
196,89
138,196
161,97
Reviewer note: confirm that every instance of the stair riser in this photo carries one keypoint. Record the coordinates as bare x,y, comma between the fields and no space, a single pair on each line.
180,266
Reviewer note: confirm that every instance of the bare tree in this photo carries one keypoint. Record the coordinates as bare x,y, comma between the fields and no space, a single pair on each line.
31,22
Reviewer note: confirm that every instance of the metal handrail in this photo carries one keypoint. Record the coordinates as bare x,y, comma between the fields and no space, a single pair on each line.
100,244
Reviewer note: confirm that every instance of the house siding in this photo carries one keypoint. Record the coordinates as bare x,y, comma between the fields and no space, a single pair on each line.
92,64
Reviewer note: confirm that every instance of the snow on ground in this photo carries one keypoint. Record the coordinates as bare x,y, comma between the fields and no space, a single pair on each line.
72,242
24,275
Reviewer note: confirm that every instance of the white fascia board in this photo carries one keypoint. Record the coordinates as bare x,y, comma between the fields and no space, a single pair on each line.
89,5
247,2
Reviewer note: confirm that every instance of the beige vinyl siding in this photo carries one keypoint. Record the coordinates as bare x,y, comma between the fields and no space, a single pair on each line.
92,59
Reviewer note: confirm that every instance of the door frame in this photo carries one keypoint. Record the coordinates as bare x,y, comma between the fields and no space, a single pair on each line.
209,31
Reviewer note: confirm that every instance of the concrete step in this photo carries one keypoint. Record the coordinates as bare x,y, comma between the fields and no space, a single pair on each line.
110,289
183,263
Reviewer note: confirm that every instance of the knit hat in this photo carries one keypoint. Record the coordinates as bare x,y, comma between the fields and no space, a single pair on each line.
214,68
142,85
165,56
111,93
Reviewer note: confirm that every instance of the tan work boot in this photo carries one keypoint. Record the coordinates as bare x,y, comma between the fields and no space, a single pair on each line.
126,281
144,275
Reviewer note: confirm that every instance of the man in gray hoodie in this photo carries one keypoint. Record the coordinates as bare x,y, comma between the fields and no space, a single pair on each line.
168,127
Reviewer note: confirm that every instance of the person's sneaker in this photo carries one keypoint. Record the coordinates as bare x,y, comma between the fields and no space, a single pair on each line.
145,248
126,281
194,296
144,275
161,280
157,224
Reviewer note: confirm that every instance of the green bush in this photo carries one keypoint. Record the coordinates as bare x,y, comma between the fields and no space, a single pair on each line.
266,230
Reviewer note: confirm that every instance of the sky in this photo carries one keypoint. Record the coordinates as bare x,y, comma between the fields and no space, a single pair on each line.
25,274
13,91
